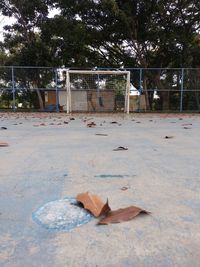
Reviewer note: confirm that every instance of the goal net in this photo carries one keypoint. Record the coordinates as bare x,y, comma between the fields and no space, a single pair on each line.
97,91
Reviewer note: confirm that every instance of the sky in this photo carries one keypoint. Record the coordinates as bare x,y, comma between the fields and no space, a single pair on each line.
8,21
4,21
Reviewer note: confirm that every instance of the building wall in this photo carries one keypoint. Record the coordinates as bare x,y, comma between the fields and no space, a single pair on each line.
84,100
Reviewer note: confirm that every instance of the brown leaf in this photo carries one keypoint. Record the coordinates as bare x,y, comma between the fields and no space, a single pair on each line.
93,203
122,215
91,124
2,144
119,148
124,188
101,134
168,137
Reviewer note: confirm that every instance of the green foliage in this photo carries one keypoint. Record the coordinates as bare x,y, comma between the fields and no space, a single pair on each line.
108,33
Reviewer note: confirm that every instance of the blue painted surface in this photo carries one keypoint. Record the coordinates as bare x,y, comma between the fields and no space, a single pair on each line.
62,214
112,176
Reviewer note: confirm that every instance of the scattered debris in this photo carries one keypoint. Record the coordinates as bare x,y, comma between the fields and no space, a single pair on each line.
91,124
93,203
187,127
72,119
120,148
3,144
101,134
114,122
186,124
65,122
124,188
138,121
169,137
122,215
3,128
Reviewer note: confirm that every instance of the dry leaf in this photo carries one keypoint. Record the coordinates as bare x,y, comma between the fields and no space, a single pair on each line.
91,124
120,148
122,215
168,137
2,144
93,203
101,134
124,188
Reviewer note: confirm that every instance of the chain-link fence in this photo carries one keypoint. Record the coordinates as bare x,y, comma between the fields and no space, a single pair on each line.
151,90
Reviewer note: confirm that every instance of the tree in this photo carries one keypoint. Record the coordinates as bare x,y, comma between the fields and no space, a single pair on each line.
22,39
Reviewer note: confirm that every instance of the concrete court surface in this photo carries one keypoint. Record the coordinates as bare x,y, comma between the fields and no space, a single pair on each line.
48,159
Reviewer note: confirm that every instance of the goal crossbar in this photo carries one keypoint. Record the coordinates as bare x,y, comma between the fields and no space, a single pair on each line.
98,72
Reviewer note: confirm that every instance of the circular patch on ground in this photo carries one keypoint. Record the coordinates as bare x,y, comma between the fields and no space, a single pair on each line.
62,214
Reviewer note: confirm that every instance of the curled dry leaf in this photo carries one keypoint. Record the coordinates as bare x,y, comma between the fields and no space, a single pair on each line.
122,215
3,144
93,203
91,124
119,148
101,134
124,188
168,137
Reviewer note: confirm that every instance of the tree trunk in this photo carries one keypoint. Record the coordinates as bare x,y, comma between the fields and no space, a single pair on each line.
164,94
41,103
197,100
165,100
146,93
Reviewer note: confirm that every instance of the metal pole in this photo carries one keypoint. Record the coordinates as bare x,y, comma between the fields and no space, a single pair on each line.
13,88
140,90
67,90
57,93
182,88
127,103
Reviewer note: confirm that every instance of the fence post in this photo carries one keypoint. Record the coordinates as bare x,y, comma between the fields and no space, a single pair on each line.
13,88
182,88
140,89
68,91
57,92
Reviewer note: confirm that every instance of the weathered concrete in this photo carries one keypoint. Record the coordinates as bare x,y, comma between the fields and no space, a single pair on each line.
50,162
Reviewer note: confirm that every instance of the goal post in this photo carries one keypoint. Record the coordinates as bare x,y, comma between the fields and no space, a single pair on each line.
97,90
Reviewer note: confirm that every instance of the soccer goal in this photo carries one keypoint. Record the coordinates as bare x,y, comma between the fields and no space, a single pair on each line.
97,91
